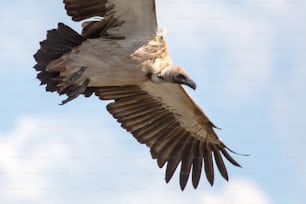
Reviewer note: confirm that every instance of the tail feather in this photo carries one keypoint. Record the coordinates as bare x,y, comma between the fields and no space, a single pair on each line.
47,78
69,35
59,41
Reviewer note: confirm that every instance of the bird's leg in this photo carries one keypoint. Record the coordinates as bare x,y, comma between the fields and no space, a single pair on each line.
71,79
70,88
75,91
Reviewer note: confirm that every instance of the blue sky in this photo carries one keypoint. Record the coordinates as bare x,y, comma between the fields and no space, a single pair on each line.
248,59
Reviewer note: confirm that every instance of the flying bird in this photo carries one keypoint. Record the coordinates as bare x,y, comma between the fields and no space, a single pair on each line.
120,56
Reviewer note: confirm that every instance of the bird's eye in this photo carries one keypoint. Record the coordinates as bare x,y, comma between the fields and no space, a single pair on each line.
181,77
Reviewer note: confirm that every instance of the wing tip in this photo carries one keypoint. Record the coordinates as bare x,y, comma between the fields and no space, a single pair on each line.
232,151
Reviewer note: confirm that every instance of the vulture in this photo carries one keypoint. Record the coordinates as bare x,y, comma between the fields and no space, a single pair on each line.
122,57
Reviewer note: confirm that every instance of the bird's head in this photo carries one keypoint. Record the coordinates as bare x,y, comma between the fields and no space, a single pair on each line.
174,74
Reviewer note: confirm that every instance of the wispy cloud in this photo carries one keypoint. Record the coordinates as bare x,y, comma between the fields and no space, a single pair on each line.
225,43
236,45
238,192
44,156
26,155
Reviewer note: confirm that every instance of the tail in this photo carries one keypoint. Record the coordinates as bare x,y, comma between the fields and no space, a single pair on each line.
59,42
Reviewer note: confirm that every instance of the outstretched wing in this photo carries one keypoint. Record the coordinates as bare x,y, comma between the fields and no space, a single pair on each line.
119,17
162,116
165,118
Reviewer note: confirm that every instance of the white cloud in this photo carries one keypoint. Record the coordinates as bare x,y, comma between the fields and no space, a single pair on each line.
237,192
51,156
65,154
25,154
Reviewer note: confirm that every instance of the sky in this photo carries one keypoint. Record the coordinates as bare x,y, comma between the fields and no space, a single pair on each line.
249,61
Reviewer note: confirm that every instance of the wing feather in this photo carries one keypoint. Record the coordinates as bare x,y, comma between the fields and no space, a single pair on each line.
139,116
197,164
167,127
119,17
220,163
80,10
175,156
174,132
166,149
154,130
161,142
186,164
124,114
208,162
147,124
228,156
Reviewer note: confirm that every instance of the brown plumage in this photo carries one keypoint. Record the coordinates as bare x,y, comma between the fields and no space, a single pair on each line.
120,57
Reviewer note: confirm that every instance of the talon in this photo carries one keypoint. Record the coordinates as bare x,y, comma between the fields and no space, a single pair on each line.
77,74
75,91
71,79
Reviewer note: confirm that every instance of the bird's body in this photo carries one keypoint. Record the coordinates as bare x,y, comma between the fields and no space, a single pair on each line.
131,59
121,57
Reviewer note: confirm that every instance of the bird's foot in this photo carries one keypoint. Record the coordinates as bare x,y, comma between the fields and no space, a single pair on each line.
71,80
70,88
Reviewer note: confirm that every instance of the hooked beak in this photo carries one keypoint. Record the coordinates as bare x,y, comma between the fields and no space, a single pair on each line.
188,82
191,84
